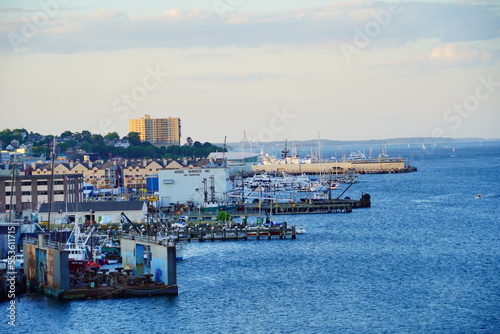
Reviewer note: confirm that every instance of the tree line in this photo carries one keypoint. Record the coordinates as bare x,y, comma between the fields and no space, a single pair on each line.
41,145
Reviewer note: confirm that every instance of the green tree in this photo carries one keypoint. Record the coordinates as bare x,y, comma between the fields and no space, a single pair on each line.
86,136
87,147
223,216
65,146
97,139
38,151
112,136
66,134
134,139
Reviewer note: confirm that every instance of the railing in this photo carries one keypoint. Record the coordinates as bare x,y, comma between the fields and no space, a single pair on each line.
45,243
152,239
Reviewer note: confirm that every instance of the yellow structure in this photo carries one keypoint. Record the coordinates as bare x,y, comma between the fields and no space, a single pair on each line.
157,131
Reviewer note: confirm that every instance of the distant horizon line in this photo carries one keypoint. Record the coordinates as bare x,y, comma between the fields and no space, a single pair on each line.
400,140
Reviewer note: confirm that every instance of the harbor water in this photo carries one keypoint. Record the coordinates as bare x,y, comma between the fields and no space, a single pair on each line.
425,258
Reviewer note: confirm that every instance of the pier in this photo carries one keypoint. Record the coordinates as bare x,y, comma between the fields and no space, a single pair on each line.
281,208
307,207
222,233
364,166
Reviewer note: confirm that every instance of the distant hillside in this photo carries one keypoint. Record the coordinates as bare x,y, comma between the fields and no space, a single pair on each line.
327,142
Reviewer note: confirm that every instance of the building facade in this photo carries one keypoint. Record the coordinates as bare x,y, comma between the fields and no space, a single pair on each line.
157,131
198,185
101,212
28,192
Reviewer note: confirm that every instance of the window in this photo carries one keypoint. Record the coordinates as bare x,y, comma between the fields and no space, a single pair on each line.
26,193
41,183
26,183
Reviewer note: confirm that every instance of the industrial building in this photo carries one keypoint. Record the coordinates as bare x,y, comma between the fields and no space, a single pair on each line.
198,185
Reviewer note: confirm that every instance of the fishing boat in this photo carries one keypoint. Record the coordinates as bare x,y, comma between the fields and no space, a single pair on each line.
80,253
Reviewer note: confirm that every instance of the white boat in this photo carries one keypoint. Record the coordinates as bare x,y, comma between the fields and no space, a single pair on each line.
300,230
357,156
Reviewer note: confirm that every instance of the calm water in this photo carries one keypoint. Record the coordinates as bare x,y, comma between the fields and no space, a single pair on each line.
425,258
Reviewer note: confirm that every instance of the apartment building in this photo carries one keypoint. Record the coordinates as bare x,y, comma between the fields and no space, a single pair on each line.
157,131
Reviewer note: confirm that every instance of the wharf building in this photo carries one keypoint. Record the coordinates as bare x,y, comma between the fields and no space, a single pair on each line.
157,131
203,185
28,192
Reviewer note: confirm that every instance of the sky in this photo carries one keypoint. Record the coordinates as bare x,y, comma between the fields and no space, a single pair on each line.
255,70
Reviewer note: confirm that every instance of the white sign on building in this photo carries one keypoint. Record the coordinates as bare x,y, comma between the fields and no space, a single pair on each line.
199,185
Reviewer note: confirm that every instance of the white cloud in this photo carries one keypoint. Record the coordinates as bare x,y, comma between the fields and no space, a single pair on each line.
175,13
460,53
335,23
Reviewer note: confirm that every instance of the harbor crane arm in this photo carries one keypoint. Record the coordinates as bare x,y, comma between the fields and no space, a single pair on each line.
123,217
345,190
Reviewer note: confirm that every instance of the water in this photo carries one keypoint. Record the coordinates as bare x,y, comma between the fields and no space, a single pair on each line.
423,259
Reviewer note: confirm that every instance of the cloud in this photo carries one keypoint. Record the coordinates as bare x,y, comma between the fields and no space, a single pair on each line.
460,54
174,13
108,29
441,58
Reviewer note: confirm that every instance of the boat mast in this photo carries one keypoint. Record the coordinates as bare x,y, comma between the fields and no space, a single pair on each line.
284,152
51,185
12,181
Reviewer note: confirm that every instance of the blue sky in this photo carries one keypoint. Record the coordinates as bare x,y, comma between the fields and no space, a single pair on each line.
272,70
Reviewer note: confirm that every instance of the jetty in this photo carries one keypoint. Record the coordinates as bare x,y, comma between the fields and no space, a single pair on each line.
360,166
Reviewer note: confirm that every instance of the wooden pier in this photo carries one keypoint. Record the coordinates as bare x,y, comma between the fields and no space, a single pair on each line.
222,233
286,208
333,206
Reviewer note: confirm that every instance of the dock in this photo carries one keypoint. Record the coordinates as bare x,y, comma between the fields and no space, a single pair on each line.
223,233
362,166
287,208
309,207
48,271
